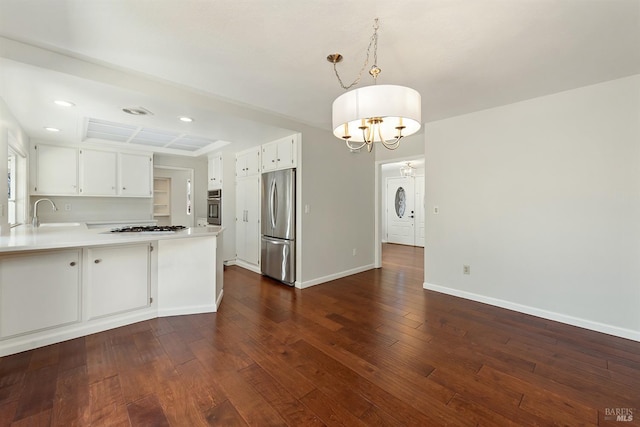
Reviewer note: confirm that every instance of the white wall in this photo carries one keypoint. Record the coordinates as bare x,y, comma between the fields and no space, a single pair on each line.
542,199
339,188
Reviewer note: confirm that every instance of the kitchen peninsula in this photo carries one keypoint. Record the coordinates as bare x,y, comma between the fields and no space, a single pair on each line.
62,281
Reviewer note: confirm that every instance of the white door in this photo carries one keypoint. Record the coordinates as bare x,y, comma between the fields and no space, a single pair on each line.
400,211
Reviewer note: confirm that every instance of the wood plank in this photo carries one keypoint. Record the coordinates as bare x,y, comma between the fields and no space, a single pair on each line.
38,392
107,404
147,412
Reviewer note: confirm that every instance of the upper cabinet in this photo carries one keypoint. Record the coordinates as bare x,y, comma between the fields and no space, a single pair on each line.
98,173
215,172
248,162
136,175
56,170
279,154
62,170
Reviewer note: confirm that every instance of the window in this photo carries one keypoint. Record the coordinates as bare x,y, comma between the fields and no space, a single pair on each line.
11,183
16,183
188,197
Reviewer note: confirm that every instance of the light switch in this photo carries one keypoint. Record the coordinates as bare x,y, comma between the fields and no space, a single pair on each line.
306,209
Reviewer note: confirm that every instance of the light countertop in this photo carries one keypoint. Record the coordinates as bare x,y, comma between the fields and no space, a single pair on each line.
60,235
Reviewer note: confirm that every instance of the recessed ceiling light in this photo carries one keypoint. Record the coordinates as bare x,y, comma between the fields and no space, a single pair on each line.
50,129
63,103
185,119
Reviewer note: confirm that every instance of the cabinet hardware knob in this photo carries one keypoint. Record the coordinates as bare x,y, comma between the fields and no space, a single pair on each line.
72,263
97,261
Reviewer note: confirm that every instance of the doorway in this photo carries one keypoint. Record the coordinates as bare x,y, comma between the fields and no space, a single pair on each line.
388,180
173,196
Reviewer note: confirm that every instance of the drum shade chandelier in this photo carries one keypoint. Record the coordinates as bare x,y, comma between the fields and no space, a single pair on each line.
376,113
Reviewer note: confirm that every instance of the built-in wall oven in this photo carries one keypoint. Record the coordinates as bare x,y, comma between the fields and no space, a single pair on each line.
214,207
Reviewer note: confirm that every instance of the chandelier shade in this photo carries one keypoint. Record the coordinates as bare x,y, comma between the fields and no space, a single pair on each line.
377,113
390,106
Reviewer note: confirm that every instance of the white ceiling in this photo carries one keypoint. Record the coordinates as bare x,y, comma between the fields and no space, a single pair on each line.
461,55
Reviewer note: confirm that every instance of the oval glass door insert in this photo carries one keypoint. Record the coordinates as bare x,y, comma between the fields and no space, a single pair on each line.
401,202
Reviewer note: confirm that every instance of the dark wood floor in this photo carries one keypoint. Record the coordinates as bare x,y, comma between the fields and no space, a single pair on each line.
371,349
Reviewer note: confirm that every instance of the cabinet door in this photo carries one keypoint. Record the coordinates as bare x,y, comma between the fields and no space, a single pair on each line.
286,153
241,228
248,162
35,298
56,170
136,171
253,162
215,173
98,170
252,237
121,271
269,157
248,220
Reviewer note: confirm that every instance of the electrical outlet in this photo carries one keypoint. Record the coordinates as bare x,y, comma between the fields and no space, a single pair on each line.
436,210
354,251
67,207
466,269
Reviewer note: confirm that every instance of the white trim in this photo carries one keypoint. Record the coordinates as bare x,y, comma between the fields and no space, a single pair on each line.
77,330
545,314
182,311
247,266
335,276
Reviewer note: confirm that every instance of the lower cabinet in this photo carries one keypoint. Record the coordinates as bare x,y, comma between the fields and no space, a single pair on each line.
39,291
248,222
118,279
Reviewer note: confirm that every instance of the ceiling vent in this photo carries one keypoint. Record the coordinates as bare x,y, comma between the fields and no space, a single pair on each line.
137,111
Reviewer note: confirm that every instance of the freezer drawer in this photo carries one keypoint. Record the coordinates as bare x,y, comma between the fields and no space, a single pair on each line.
277,258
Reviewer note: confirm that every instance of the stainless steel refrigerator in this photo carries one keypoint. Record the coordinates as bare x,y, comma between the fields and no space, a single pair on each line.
278,249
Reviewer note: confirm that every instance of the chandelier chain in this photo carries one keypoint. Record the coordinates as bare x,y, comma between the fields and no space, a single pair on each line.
373,41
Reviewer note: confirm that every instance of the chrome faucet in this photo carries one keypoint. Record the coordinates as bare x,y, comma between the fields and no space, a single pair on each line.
35,222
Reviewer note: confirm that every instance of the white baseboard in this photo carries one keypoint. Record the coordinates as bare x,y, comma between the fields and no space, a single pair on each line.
76,330
247,266
545,314
182,311
335,276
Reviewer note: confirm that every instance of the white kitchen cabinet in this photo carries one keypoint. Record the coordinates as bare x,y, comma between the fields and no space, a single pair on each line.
39,291
56,170
118,279
248,162
279,154
215,172
98,172
248,221
136,175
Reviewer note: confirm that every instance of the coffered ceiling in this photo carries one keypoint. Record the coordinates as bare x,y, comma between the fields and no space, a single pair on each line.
269,55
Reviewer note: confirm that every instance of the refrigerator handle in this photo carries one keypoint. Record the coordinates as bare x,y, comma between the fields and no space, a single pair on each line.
274,206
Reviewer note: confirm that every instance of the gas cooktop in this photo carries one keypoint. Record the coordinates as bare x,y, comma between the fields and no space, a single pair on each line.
149,229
